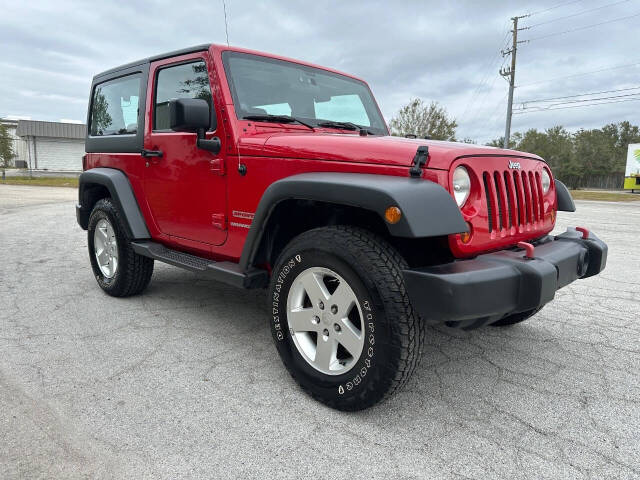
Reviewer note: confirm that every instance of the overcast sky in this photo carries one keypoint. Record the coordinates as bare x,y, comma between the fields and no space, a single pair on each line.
448,52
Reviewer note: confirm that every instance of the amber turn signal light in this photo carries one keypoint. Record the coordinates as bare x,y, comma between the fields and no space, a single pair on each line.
392,215
465,237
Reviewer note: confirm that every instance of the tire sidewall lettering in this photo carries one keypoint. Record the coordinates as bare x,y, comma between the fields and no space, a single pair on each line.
277,318
352,380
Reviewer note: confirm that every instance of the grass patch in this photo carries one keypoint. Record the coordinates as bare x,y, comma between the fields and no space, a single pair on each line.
605,196
42,181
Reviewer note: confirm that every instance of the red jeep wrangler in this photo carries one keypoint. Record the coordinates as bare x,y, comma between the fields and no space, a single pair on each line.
261,171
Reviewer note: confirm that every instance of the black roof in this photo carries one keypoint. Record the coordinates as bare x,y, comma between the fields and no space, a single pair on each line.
175,53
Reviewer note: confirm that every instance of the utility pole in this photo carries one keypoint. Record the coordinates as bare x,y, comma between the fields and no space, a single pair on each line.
511,74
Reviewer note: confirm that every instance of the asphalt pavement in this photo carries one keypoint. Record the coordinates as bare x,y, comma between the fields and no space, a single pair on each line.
184,382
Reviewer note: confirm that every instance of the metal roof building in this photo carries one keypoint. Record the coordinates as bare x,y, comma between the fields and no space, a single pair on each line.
53,146
36,128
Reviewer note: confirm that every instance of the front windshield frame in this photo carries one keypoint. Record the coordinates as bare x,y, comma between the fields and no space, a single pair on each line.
377,123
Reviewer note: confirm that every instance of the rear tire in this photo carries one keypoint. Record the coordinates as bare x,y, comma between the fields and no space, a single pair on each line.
119,270
362,340
515,318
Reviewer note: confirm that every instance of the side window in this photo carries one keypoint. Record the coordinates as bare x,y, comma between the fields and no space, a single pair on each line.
114,106
189,80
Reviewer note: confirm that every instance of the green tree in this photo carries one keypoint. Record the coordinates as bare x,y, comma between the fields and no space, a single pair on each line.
422,120
100,118
583,154
514,140
6,149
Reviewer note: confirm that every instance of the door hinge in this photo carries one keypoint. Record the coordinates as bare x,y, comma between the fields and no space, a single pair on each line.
219,220
217,166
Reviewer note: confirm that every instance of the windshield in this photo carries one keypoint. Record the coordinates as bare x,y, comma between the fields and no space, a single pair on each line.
266,86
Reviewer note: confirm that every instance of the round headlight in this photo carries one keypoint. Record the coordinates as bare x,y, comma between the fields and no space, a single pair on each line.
461,185
546,181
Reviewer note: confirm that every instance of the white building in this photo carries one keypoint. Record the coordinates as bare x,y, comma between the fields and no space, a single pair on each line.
52,146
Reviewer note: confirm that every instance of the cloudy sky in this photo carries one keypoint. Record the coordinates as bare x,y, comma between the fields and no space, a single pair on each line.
448,52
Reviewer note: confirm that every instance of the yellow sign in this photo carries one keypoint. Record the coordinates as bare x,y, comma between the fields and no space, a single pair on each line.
633,161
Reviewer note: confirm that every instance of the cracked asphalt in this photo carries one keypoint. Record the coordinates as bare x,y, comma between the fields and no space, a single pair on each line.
184,382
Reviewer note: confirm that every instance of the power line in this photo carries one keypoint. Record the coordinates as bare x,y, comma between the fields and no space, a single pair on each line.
615,67
552,8
485,78
581,28
482,99
520,112
585,101
577,14
579,95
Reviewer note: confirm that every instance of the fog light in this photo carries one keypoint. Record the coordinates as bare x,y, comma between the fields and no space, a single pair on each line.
392,215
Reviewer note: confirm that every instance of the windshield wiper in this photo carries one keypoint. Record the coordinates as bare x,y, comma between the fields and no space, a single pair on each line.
344,126
277,119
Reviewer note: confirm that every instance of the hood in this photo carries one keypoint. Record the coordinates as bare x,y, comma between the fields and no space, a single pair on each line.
388,150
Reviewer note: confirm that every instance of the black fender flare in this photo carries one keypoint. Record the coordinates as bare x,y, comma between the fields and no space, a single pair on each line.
120,191
565,200
428,210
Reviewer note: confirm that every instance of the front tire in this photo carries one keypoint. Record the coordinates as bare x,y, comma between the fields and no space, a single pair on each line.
341,319
119,270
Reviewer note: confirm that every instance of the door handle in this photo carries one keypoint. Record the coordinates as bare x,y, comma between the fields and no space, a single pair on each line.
151,153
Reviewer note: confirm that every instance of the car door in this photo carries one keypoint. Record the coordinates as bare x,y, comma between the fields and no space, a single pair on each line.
185,186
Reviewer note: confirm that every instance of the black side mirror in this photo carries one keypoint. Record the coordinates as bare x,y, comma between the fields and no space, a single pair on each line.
189,114
193,115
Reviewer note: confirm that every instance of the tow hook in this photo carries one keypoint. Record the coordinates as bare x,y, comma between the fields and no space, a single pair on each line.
585,232
529,250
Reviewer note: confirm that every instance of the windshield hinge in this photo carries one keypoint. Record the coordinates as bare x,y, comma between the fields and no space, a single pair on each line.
419,161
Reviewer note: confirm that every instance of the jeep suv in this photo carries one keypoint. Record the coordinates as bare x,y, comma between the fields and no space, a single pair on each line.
266,172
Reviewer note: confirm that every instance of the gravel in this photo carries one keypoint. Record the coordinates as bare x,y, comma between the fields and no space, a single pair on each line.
184,382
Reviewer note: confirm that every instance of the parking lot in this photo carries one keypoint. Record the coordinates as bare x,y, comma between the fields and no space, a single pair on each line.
184,382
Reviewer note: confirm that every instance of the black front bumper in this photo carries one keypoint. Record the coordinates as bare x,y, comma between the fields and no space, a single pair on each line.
476,292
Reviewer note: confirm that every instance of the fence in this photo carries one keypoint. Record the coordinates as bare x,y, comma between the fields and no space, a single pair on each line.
613,181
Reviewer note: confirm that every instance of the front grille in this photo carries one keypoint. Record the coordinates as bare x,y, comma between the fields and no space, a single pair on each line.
514,200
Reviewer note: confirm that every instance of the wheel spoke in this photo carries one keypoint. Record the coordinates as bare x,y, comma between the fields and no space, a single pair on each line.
344,298
315,288
98,243
325,352
103,257
301,320
104,235
350,338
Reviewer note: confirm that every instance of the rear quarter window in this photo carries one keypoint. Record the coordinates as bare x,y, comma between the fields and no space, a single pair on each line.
114,107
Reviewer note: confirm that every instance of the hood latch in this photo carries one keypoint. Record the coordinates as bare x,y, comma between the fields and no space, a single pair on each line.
419,161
